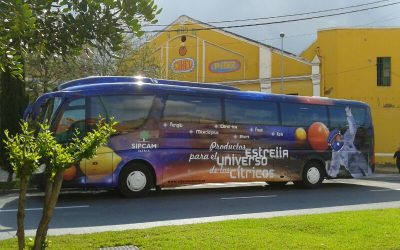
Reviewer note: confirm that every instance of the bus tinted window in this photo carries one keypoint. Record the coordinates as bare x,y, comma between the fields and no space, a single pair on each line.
192,109
48,109
77,103
338,116
130,111
72,119
251,112
303,114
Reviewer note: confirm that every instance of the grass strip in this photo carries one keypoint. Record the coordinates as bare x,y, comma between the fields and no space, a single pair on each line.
370,229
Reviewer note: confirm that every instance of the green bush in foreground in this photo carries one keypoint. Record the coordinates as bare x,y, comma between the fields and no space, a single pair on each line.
373,229
34,146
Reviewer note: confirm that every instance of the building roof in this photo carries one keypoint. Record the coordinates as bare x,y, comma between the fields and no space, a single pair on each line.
360,28
184,18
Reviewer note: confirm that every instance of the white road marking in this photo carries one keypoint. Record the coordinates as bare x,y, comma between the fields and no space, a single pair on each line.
248,197
384,190
39,208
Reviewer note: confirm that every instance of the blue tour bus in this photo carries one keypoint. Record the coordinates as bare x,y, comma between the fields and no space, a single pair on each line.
172,133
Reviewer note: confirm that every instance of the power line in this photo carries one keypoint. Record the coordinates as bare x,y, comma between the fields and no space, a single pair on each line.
277,22
274,17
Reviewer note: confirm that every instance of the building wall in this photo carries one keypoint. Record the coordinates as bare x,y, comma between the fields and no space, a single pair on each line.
294,88
291,66
248,86
349,71
217,56
210,56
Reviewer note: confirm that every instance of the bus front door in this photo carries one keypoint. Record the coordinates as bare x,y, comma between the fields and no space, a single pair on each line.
99,170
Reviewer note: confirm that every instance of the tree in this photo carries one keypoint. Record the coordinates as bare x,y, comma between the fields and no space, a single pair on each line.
27,149
24,158
13,101
59,29
139,59
133,59
43,76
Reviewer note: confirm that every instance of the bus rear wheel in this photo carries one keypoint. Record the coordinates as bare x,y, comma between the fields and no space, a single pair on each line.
313,175
135,180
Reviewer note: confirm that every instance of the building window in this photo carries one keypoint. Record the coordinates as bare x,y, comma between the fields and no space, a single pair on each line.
383,65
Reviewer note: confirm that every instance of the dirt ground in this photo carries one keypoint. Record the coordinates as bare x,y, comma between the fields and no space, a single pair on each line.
386,169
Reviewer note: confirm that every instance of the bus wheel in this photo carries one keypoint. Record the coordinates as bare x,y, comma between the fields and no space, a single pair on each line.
135,180
312,175
277,184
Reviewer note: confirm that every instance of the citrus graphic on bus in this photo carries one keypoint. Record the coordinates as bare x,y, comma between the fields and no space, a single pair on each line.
70,173
300,135
317,136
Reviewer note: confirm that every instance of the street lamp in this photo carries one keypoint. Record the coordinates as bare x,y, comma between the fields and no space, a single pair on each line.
282,35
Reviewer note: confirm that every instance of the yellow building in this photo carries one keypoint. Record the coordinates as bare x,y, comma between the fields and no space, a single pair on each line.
347,63
363,64
190,50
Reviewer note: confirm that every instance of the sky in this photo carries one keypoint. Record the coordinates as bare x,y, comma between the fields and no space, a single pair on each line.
298,35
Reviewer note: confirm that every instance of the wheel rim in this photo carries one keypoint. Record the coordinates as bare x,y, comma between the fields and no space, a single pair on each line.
136,181
313,175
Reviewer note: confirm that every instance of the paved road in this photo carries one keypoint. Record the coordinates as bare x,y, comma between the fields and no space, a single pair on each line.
80,212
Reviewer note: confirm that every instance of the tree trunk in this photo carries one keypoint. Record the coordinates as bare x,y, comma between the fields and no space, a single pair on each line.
48,191
10,176
23,186
51,197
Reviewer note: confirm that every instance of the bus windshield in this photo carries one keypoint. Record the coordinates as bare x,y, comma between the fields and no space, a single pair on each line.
48,109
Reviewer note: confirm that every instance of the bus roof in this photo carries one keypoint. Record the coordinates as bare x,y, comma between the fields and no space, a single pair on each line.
137,79
125,85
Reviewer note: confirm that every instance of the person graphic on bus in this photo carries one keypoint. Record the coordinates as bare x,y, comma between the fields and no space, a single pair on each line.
344,152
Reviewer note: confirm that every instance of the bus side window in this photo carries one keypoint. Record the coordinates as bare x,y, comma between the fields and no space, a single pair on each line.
97,111
72,119
196,109
129,111
360,115
338,118
298,114
251,112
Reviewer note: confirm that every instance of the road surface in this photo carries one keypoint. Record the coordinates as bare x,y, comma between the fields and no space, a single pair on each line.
95,211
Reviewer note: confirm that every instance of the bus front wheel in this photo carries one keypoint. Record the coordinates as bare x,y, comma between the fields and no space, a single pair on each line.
135,180
313,175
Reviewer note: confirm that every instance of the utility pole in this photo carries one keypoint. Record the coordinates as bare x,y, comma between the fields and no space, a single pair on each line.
282,35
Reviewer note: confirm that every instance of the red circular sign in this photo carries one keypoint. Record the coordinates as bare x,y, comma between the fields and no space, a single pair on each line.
182,50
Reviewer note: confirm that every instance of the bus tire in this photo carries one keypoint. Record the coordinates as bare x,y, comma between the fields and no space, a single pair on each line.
313,175
298,184
135,180
277,184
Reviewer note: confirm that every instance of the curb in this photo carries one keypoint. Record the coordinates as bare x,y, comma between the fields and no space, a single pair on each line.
15,191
